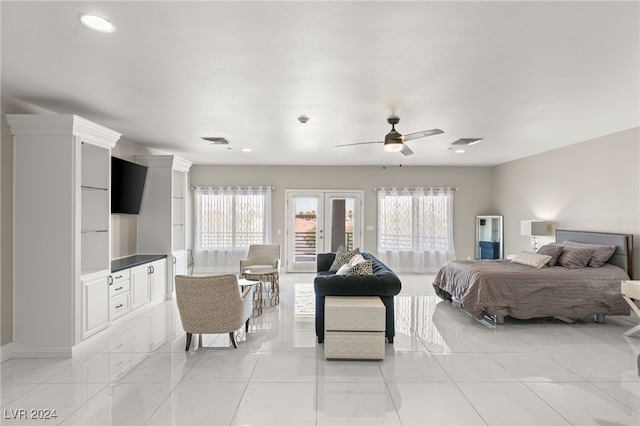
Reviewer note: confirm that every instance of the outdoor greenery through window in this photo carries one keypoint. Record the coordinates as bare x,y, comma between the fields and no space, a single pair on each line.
415,219
232,217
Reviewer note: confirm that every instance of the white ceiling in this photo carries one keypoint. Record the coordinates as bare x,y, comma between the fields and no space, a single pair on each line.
527,76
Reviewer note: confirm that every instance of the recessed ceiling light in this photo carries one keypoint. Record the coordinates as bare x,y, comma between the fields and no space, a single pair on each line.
246,149
459,151
97,23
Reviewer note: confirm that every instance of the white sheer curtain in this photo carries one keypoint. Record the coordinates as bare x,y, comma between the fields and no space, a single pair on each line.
227,221
415,228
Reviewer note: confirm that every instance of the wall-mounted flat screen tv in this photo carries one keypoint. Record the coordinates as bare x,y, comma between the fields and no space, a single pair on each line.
127,186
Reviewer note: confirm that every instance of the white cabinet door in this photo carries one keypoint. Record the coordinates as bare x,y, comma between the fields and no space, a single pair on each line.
179,262
95,304
139,285
158,278
179,267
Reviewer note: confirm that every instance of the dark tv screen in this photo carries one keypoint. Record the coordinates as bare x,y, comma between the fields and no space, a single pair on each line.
127,185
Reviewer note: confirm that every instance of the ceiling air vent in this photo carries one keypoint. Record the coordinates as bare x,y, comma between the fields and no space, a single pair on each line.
216,141
467,141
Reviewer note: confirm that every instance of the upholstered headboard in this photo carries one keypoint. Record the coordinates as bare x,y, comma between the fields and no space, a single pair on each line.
622,257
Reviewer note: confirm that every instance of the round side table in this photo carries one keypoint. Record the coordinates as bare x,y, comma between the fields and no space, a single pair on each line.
257,294
269,275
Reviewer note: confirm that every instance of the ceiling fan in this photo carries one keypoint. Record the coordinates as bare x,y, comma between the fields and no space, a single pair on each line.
395,142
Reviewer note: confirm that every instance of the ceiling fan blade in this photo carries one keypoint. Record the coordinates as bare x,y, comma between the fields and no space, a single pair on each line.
422,134
406,150
359,143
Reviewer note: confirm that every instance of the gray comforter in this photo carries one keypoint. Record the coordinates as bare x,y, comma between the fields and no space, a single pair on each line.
500,287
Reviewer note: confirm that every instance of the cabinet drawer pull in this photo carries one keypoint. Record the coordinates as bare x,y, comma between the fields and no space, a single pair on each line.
119,306
119,288
118,277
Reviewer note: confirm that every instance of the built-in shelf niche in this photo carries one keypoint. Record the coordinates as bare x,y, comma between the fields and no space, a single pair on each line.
178,207
95,208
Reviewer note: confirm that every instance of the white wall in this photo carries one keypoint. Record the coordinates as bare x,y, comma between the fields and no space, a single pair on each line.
474,196
591,186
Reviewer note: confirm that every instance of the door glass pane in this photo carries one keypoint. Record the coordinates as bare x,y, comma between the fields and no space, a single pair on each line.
306,222
342,210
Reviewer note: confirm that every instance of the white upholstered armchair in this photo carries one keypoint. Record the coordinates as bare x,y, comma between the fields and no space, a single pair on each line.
261,256
213,304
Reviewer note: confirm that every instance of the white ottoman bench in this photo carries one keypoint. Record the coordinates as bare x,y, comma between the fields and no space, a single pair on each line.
354,327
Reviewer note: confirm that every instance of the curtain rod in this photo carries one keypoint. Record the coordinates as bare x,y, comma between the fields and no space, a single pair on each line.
414,188
273,188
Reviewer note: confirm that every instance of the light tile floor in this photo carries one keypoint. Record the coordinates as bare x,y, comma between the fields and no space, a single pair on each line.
444,368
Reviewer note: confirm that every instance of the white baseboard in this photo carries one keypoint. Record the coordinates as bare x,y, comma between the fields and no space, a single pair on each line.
41,353
9,351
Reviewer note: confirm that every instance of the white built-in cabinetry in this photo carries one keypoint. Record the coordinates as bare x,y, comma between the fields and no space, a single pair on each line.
161,222
95,306
120,294
61,234
148,282
140,293
157,279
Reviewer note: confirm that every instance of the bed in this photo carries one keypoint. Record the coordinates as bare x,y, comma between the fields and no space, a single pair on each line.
493,289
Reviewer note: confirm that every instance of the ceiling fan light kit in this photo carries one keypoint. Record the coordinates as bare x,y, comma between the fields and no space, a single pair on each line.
393,145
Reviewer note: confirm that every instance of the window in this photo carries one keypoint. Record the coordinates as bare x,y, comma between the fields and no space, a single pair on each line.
418,221
232,218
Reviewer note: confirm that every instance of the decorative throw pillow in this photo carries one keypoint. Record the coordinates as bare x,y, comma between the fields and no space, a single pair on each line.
343,269
531,259
356,259
601,253
573,257
361,268
343,257
552,250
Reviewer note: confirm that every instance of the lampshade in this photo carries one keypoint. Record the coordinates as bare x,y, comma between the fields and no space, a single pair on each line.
533,228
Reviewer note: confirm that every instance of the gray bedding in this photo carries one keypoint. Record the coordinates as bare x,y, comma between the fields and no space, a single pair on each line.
500,287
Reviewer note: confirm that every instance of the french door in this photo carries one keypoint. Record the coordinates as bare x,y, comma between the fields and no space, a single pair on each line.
320,222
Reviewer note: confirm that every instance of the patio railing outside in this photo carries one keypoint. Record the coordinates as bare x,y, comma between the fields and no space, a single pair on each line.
305,245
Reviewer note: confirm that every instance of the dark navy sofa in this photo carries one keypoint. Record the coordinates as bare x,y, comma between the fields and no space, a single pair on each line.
383,283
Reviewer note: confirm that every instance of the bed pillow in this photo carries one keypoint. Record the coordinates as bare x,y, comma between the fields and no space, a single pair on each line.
602,252
573,257
531,259
342,257
552,250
